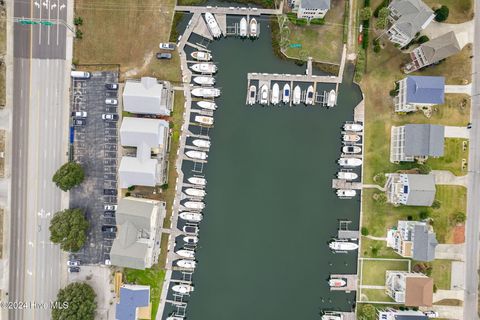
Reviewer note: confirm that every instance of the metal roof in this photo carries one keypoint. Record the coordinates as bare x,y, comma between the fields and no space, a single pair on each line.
146,96
424,140
441,47
422,89
421,189
315,4
131,298
411,317
413,16
424,243
135,131
134,171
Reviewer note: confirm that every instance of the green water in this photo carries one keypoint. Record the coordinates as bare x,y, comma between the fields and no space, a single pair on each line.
270,211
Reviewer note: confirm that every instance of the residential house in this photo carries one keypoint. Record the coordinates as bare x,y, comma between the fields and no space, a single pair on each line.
407,18
148,96
410,189
137,244
413,239
416,142
433,51
392,314
311,9
134,303
411,289
415,92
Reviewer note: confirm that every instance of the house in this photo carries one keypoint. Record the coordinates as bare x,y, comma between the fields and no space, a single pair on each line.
416,142
137,244
407,18
134,303
415,92
433,51
392,314
311,9
148,136
411,289
410,189
413,239
148,96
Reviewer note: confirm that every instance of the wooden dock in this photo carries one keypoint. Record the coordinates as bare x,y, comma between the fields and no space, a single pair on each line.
351,280
345,184
344,233
293,77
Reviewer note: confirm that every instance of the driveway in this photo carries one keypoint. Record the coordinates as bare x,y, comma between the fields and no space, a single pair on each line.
448,294
448,178
464,31
450,252
457,132
465,89
447,312
457,281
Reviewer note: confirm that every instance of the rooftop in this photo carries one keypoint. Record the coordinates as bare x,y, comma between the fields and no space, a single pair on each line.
131,298
423,140
411,16
424,243
146,96
315,4
418,291
135,131
421,189
421,89
441,47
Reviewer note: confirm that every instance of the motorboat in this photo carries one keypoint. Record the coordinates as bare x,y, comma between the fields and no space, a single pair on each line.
352,127
213,25
197,181
351,138
252,95
186,253
195,192
201,56
332,98
206,92
351,149
194,205
173,317
286,93
204,67
204,80
189,264
297,94
201,143
243,27
182,288
199,155
346,193
337,283
264,94
204,120
190,239
207,105
191,216
309,98
343,246
275,94
331,316
347,175
350,162
253,28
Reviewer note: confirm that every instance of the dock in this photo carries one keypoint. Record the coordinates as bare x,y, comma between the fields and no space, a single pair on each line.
351,279
239,11
345,184
344,233
343,315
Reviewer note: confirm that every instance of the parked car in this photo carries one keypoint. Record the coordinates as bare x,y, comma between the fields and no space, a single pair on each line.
469,125
110,116
111,101
80,114
74,269
110,207
431,314
164,55
109,214
190,229
109,228
111,86
79,122
110,192
73,263
167,46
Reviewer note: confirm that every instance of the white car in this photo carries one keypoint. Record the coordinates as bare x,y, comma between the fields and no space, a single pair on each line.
166,46
73,263
431,314
111,101
110,116
81,114
110,207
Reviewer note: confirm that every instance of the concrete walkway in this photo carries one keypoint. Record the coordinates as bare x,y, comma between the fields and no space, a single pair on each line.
450,252
447,178
372,287
448,294
376,238
373,186
465,89
457,132
463,31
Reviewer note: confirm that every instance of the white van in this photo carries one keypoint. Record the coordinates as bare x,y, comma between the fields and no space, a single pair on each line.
80,74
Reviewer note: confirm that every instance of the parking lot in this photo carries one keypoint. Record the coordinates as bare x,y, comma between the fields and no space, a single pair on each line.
95,145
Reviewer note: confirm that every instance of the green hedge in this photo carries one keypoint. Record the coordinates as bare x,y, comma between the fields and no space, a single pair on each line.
317,21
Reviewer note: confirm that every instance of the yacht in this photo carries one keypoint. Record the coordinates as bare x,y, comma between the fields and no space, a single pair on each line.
351,149
197,181
182,288
286,93
201,143
351,138
352,127
213,25
346,193
332,98
343,246
190,239
297,94
347,175
199,155
207,105
310,95
204,67
275,94
350,162
204,120
189,264
194,205
243,27
186,253
206,92
253,28
252,95
201,56
204,80
337,283
264,94
191,216
195,192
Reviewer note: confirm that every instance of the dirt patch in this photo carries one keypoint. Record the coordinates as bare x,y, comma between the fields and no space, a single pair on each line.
459,234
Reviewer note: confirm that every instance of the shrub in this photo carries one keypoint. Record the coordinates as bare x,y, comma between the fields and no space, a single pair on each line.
131,188
424,214
365,13
78,21
78,34
441,14
459,217
317,21
365,231
423,39
393,93
409,218
424,169
360,66
436,204
377,48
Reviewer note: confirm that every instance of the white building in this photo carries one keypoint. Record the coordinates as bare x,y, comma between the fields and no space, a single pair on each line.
148,96
311,9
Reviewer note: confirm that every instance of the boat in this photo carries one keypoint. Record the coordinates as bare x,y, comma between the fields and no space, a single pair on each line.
173,317
297,94
201,143
186,253
200,155
213,25
351,149
337,283
204,80
332,98
275,94
206,92
194,205
252,95
264,94
197,181
201,56
309,98
253,28
343,246
189,264
207,105
351,138
350,162
204,120
204,67
190,239
331,316
191,216
346,193
286,93
195,192
352,127
243,27
347,175
182,288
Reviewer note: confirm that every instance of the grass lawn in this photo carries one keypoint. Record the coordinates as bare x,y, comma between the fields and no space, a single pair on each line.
375,248
460,10
373,271
442,273
452,160
375,295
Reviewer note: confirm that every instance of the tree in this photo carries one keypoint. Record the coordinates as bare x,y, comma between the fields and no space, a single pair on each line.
78,21
459,217
68,176
383,13
68,228
382,21
365,13
365,231
441,14
367,312
75,302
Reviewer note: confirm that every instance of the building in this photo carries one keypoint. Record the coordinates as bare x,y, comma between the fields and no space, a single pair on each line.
416,142
410,189
407,18
415,92
413,239
433,51
134,303
411,289
392,314
137,244
311,9
148,136
148,96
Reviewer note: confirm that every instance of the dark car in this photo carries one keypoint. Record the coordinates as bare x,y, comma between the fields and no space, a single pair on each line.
469,125
79,122
109,228
110,192
164,55
111,86
109,214
74,269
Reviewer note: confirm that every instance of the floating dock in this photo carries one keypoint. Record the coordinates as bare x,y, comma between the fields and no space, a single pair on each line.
345,184
343,315
351,279
344,233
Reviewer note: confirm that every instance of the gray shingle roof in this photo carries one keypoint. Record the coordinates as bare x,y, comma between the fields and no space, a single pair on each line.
421,190
315,4
421,89
411,317
441,47
412,15
424,243
424,140
131,298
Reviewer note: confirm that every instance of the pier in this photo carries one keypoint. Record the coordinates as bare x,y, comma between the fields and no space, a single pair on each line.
343,315
345,184
344,233
239,11
351,279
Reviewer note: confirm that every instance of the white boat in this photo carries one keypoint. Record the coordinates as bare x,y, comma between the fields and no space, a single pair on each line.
343,246
351,138
264,94
275,94
352,127
213,25
332,98
197,181
204,67
189,264
351,149
243,27
200,155
309,98
253,28
206,92
297,94
194,205
350,162
201,143
195,192
186,253
346,193
190,239
204,80
286,93
182,288
337,283
252,95
347,175
207,105
175,318
331,317
201,56
204,120
191,216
